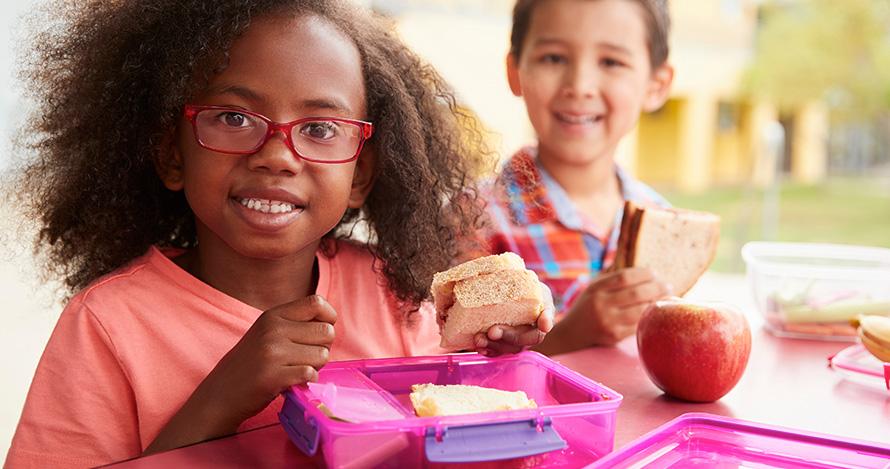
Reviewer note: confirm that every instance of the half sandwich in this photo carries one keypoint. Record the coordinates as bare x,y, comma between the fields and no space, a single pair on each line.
677,244
475,295
431,400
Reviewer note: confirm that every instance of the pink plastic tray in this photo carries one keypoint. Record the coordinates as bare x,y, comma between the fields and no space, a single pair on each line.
857,363
573,425
706,440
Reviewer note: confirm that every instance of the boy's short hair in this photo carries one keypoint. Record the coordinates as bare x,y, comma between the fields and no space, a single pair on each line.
658,23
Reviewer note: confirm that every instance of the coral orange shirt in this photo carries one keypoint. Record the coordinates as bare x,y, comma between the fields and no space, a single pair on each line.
130,349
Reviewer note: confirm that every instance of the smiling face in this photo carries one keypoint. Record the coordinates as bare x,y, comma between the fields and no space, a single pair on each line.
272,204
585,76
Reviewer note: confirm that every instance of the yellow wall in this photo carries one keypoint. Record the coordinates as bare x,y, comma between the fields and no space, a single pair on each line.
657,144
730,165
809,162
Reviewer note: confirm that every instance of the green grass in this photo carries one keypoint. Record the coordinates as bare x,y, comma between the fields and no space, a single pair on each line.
846,211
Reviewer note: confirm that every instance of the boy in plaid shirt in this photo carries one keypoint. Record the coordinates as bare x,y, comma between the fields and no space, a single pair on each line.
586,69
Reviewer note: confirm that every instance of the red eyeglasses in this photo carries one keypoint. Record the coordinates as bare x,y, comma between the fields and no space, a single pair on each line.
316,139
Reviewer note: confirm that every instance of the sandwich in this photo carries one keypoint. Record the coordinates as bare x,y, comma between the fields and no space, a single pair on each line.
454,399
475,295
874,333
677,244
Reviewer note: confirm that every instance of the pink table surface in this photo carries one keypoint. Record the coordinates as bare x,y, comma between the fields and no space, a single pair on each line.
787,383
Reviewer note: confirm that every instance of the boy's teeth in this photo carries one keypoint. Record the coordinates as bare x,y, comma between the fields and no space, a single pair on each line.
572,119
267,206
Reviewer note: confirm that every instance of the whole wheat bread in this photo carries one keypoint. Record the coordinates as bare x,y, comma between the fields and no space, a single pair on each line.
677,244
478,294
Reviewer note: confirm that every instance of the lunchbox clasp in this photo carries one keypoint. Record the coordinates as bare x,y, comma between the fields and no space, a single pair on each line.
492,441
303,430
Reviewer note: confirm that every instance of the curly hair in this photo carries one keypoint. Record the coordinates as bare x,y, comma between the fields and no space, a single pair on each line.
657,17
110,80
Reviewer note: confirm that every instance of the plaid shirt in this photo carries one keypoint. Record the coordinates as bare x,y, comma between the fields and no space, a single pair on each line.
531,215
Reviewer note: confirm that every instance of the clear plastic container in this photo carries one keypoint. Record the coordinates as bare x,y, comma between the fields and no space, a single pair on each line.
706,440
811,290
573,425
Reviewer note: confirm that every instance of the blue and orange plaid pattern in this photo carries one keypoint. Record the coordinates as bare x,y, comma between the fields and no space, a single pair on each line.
531,215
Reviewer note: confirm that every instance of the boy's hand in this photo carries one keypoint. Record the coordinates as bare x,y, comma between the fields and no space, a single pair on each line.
500,339
610,307
286,345
606,311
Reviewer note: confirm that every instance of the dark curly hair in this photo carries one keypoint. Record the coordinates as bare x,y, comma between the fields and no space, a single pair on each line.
658,25
110,79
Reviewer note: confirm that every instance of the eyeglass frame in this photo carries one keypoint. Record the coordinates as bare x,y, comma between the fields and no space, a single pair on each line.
366,129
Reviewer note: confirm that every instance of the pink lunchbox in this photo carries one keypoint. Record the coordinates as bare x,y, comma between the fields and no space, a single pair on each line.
707,440
573,425
857,364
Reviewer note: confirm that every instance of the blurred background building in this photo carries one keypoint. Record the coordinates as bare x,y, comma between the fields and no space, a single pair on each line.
778,121
716,130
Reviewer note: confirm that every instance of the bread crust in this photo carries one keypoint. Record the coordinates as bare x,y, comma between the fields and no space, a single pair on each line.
621,248
636,222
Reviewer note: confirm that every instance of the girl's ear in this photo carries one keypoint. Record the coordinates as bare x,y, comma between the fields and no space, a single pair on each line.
659,88
513,75
363,177
168,162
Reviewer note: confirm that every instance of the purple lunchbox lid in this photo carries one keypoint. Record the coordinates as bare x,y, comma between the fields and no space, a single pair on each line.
760,445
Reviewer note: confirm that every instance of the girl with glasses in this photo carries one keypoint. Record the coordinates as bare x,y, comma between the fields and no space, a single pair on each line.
198,169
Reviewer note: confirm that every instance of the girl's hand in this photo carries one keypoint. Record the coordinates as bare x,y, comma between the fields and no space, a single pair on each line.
500,339
286,345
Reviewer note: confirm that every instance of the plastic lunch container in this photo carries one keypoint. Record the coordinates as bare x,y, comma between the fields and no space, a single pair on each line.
573,425
857,364
812,290
706,440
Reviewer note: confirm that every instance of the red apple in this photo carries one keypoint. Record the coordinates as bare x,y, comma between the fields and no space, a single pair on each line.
693,351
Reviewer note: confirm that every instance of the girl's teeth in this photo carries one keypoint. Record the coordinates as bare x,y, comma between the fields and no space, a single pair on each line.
267,206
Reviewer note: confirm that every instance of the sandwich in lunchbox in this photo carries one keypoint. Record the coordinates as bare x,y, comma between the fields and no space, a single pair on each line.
475,295
677,244
431,400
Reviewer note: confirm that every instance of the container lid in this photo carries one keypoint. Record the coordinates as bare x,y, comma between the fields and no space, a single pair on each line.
706,440
819,259
858,364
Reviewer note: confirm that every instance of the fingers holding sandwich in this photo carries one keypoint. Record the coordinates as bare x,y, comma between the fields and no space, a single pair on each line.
630,287
492,303
606,311
547,318
618,299
500,339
